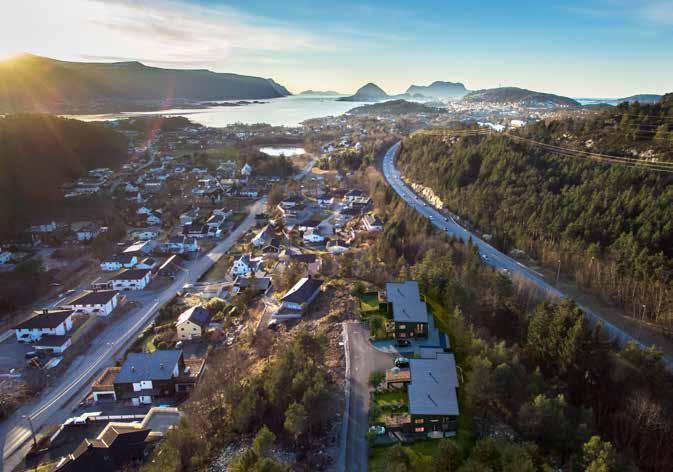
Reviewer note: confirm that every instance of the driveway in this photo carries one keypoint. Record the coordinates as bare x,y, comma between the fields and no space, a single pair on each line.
363,359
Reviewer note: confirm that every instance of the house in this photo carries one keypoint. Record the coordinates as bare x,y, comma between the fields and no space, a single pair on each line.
117,445
131,279
432,398
249,191
372,223
180,245
147,263
262,237
5,257
223,212
313,236
337,246
273,247
195,230
88,232
141,248
312,262
145,234
153,219
355,196
119,262
246,171
189,217
47,322
215,222
296,300
96,302
325,200
246,264
169,268
144,211
45,227
148,377
259,284
410,313
53,343
192,323
291,201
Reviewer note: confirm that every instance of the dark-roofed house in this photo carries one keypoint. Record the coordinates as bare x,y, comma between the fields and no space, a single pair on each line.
259,284
117,445
192,323
296,300
146,377
410,313
96,302
131,279
46,323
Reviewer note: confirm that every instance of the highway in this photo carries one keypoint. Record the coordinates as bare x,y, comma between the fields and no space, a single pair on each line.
489,254
55,405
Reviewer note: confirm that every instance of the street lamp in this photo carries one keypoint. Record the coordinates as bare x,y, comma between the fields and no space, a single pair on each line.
32,429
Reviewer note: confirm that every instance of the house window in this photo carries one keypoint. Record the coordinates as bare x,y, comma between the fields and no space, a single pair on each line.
403,326
419,420
419,327
419,430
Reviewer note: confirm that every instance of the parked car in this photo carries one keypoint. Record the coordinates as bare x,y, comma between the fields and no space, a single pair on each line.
402,342
378,430
401,362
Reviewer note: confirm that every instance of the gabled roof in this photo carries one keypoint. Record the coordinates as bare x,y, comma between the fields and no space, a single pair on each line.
131,274
98,297
196,314
120,258
48,320
432,390
157,365
406,300
302,291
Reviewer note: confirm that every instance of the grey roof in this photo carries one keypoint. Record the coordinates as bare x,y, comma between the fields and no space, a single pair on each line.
196,314
98,297
49,320
302,291
120,258
51,340
157,365
432,390
406,300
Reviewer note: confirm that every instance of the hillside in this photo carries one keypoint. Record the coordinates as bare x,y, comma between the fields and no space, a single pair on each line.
642,98
326,93
33,83
519,96
610,225
367,93
439,89
38,153
395,107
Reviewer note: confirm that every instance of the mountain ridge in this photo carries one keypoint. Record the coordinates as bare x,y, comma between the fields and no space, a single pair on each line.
519,96
439,89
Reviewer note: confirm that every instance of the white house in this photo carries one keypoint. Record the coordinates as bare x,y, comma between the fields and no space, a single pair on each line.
246,264
145,234
180,244
144,211
372,223
262,237
312,236
131,279
246,170
147,263
337,246
192,323
119,262
325,200
48,227
298,298
88,232
153,219
96,302
141,248
47,322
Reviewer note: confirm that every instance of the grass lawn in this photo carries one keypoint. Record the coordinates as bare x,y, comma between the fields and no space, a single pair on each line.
389,398
421,453
369,302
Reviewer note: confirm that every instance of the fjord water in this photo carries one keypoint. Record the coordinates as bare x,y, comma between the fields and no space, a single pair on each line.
285,111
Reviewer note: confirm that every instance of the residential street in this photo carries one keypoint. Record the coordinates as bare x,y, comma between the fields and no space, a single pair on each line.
489,254
364,360
55,405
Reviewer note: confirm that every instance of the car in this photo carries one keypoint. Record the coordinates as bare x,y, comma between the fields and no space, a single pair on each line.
378,430
71,291
401,362
402,342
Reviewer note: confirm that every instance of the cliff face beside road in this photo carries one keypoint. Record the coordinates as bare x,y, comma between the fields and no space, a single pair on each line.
33,83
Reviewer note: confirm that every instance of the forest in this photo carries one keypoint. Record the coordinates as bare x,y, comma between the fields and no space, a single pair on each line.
545,389
611,227
39,153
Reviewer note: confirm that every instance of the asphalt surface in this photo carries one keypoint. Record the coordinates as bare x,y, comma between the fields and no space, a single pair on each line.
55,405
489,254
363,360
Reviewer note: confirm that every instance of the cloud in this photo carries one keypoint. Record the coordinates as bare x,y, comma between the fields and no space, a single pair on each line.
164,32
651,12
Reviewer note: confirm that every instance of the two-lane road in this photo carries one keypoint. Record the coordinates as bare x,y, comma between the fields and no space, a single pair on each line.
54,406
489,254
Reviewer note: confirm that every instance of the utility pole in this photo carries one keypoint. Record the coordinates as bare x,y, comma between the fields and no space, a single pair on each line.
32,429
558,271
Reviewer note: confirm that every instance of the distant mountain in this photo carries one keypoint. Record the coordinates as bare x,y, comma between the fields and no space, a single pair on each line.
326,93
439,89
519,96
33,83
642,98
395,107
367,93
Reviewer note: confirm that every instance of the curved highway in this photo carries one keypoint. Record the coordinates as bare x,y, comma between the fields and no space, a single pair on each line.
489,255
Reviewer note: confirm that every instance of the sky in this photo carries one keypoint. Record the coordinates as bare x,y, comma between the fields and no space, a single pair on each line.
588,48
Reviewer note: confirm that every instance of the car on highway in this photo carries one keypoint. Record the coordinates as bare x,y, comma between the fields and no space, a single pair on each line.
484,257
401,362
